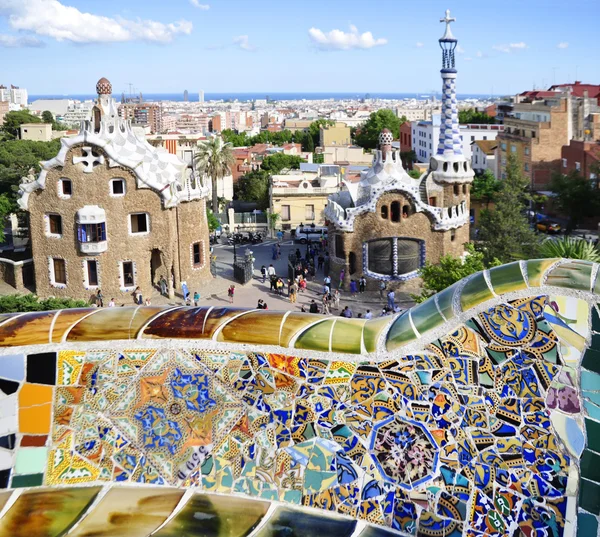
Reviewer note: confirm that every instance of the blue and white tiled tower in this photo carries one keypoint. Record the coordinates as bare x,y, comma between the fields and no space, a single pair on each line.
449,165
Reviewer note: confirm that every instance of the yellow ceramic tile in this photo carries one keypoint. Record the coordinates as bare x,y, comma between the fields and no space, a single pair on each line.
28,329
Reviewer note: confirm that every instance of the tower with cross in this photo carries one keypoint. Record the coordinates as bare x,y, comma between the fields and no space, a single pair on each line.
449,164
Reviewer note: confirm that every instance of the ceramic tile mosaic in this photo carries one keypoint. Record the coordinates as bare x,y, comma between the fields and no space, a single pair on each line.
476,423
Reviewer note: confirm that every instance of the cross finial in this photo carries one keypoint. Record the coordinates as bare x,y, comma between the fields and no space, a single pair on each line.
447,19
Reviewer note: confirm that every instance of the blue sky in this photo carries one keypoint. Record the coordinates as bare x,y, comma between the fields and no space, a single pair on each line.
64,46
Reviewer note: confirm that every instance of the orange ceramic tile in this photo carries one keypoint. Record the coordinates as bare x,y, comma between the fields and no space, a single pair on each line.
33,441
141,317
66,319
35,409
179,323
29,329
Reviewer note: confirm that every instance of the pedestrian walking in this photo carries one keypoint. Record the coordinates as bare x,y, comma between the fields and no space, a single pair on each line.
326,300
293,292
336,299
353,289
263,271
196,299
230,293
342,274
362,284
381,289
99,298
327,282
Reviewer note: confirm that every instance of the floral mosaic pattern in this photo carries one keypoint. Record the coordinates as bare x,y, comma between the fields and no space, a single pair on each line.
490,430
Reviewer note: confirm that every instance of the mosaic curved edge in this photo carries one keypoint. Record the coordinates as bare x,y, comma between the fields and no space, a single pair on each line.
493,428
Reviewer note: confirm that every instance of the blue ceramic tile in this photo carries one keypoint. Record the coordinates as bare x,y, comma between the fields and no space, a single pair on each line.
590,381
12,367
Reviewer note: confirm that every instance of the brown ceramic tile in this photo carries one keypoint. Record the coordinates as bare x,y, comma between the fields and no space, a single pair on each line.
104,324
142,315
29,329
178,323
33,441
257,327
66,319
217,317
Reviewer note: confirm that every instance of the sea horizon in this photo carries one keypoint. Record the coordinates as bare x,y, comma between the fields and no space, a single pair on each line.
274,96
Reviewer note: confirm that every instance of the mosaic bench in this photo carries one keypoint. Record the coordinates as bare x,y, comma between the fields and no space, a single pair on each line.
475,413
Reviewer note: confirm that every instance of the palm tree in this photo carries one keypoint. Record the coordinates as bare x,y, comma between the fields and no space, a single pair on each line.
571,248
214,158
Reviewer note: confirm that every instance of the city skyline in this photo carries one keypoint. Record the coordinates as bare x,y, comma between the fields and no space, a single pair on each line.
391,49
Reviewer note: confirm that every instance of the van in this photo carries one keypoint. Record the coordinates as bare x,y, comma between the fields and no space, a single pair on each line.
306,234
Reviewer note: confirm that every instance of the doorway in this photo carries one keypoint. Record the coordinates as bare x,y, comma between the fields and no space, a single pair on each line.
155,264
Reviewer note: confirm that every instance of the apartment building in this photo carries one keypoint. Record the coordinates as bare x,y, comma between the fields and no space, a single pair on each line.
145,114
337,134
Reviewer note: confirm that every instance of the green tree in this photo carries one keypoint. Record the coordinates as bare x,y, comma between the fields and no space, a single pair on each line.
504,232
415,174
279,161
485,188
30,302
213,221
575,197
273,219
6,207
470,115
367,135
309,146
438,276
47,117
13,120
318,158
215,158
569,248
254,186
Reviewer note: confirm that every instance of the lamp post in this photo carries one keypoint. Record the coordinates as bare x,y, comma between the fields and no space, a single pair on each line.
234,248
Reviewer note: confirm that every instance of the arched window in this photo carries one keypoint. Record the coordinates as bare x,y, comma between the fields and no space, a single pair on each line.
352,262
395,211
384,212
465,189
456,190
405,211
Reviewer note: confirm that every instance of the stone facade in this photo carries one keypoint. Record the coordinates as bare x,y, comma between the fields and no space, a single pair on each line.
97,223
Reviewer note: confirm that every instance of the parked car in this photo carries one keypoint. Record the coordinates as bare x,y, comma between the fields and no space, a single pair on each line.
548,226
309,233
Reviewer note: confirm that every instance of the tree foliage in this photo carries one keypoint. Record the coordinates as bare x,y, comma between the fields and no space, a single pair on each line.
6,207
504,232
471,115
213,221
415,174
30,302
279,161
569,248
575,197
47,116
13,120
265,137
254,186
367,135
437,277
485,188
214,158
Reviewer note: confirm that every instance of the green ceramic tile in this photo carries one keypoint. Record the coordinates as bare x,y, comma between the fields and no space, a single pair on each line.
316,337
31,460
400,333
426,316
475,292
592,410
293,523
536,268
594,397
589,496
597,284
590,381
215,516
595,317
32,480
592,429
347,336
591,360
573,275
444,300
590,466
507,278
586,525
373,330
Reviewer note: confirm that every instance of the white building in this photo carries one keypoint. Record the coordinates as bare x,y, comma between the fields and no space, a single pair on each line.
483,156
77,112
58,107
419,113
426,133
17,97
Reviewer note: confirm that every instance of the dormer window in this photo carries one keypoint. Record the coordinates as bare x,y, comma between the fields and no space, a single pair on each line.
65,188
117,187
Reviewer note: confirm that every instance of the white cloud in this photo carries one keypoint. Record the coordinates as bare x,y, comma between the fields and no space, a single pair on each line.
339,40
418,44
510,47
50,18
196,3
460,50
242,42
13,41
563,44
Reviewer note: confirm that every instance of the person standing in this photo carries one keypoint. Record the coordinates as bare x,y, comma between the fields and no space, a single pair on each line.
99,298
263,271
230,293
342,275
381,289
293,292
390,300
336,299
326,300
362,284
196,298
327,282
353,289
137,296
163,286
